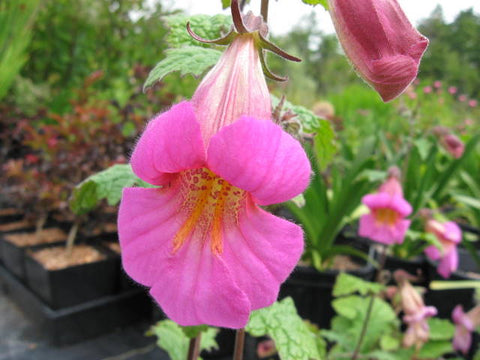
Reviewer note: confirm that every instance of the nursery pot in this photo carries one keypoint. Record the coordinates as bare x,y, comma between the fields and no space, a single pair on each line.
446,300
71,285
311,289
14,245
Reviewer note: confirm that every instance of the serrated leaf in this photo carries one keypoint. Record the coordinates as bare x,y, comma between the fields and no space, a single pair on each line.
192,60
293,338
324,3
208,27
172,339
107,184
440,329
435,349
348,284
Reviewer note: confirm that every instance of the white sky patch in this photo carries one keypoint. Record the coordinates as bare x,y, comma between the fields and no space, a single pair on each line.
285,14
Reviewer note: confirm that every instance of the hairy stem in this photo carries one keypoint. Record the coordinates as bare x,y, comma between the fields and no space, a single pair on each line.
194,348
239,344
72,234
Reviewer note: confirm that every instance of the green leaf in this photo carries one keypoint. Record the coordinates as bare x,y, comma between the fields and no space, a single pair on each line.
324,3
107,184
440,329
208,27
193,331
324,143
348,284
293,338
400,354
226,4
193,60
423,147
389,342
468,200
435,349
171,338
348,324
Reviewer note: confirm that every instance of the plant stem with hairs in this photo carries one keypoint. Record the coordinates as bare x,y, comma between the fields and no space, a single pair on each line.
194,348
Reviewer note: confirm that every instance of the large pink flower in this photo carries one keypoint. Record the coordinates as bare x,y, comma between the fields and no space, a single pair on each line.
208,252
449,235
465,324
383,46
386,221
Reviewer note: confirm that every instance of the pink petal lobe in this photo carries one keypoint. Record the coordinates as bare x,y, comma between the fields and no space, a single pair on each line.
172,142
197,288
191,285
462,339
147,221
261,253
449,263
433,252
259,157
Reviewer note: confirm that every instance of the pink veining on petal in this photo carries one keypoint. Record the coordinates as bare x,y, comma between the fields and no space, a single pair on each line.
234,87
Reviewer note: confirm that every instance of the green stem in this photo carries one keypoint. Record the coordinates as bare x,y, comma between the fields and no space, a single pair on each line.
356,353
239,344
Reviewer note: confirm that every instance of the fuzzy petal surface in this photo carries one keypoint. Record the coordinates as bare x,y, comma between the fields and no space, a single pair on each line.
385,200
385,234
192,285
261,253
172,142
259,157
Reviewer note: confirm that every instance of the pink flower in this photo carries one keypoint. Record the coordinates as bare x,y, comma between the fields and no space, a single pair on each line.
415,312
462,98
465,324
209,254
449,236
473,103
384,48
427,89
385,223
452,90
437,84
453,145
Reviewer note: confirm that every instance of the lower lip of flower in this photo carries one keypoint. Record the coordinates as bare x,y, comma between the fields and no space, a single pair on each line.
210,204
386,216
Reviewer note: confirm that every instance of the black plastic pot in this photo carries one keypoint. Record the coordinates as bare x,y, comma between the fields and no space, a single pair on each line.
73,285
311,289
9,217
446,300
80,322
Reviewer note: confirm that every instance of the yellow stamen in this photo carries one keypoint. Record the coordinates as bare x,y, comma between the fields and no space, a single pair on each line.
386,216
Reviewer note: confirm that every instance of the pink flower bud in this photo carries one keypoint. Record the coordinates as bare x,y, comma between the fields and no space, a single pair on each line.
383,46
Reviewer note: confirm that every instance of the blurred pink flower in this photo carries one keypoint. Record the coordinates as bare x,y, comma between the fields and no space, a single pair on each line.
465,324
415,313
449,236
383,46
437,84
386,221
209,254
453,145
473,103
427,90
462,98
452,90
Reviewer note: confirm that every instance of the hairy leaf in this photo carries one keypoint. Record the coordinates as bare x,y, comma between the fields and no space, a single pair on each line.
348,284
293,337
440,329
193,60
107,184
208,27
171,338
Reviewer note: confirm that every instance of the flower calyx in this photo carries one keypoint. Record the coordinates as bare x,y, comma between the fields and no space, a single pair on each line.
249,25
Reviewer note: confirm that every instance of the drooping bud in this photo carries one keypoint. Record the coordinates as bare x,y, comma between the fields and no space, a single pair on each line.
450,142
383,46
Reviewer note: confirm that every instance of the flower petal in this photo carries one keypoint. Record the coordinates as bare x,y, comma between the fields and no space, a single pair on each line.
197,288
148,219
192,285
172,142
259,157
433,252
261,253
449,263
